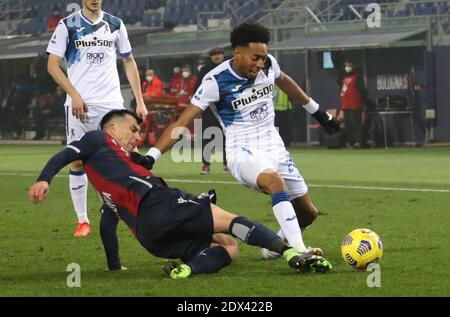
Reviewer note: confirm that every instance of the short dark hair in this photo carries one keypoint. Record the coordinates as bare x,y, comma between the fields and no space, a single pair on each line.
118,113
248,32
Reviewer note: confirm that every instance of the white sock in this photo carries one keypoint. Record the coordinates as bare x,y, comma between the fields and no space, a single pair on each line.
281,234
78,183
287,219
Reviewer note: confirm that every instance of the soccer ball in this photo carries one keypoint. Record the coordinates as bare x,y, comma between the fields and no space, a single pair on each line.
361,247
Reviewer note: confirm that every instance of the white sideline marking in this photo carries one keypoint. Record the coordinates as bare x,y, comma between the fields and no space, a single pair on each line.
423,190
324,186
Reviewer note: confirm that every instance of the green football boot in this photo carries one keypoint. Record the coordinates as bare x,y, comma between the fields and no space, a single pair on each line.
305,262
176,270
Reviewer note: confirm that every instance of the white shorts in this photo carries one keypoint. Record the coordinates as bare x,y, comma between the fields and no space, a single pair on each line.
75,128
246,164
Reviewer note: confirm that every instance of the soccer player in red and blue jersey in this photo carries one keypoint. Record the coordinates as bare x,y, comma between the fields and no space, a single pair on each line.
168,222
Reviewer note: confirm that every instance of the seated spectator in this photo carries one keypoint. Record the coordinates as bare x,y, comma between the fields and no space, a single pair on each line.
175,78
152,86
183,88
53,21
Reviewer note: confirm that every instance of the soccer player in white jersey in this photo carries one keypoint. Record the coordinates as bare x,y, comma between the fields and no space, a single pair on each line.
89,40
239,91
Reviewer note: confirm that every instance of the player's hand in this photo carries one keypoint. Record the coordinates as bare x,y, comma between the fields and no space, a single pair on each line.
327,121
38,192
79,107
146,161
141,110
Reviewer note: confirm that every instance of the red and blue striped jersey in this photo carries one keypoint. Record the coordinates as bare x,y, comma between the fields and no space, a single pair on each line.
121,183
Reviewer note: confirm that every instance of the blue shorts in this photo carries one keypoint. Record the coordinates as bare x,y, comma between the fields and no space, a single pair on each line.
174,224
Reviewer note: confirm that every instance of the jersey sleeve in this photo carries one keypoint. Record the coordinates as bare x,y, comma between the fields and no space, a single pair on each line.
275,66
58,41
87,144
207,93
77,150
123,43
108,234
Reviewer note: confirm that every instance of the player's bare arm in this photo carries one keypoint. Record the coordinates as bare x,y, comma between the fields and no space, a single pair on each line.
290,87
79,107
132,73
166,141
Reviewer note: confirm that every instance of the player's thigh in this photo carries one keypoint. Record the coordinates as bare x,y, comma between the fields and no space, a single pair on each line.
222,219
75,128
246,164
167,214
295,183
96,113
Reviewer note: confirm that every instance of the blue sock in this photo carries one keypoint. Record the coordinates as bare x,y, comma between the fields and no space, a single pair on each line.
256,234
279,197
210,260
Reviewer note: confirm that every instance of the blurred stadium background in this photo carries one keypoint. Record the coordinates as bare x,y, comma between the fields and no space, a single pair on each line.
406,57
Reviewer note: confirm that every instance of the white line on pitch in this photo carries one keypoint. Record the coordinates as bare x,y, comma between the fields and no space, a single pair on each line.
424,190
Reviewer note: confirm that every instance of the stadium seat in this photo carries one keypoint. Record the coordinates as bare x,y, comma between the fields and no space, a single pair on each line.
401,13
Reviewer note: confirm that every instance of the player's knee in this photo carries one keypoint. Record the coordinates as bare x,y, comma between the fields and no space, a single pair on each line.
270,182
228,243
232,249
76,166
231,246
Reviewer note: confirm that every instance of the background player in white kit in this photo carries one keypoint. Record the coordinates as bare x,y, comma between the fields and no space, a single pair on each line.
239,91
88,40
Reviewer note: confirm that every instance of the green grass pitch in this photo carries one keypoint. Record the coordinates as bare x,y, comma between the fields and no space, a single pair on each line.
353,189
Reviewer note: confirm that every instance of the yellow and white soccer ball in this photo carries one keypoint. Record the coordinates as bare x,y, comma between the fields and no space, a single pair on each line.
361,247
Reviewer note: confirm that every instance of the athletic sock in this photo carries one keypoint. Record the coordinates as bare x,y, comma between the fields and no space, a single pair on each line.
256,234
282,236
210,260
78,183
287,219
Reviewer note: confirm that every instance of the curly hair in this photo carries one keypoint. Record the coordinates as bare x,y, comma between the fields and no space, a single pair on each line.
247,32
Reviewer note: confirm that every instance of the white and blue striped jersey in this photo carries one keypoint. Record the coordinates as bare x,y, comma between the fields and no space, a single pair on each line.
90,50
243,106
